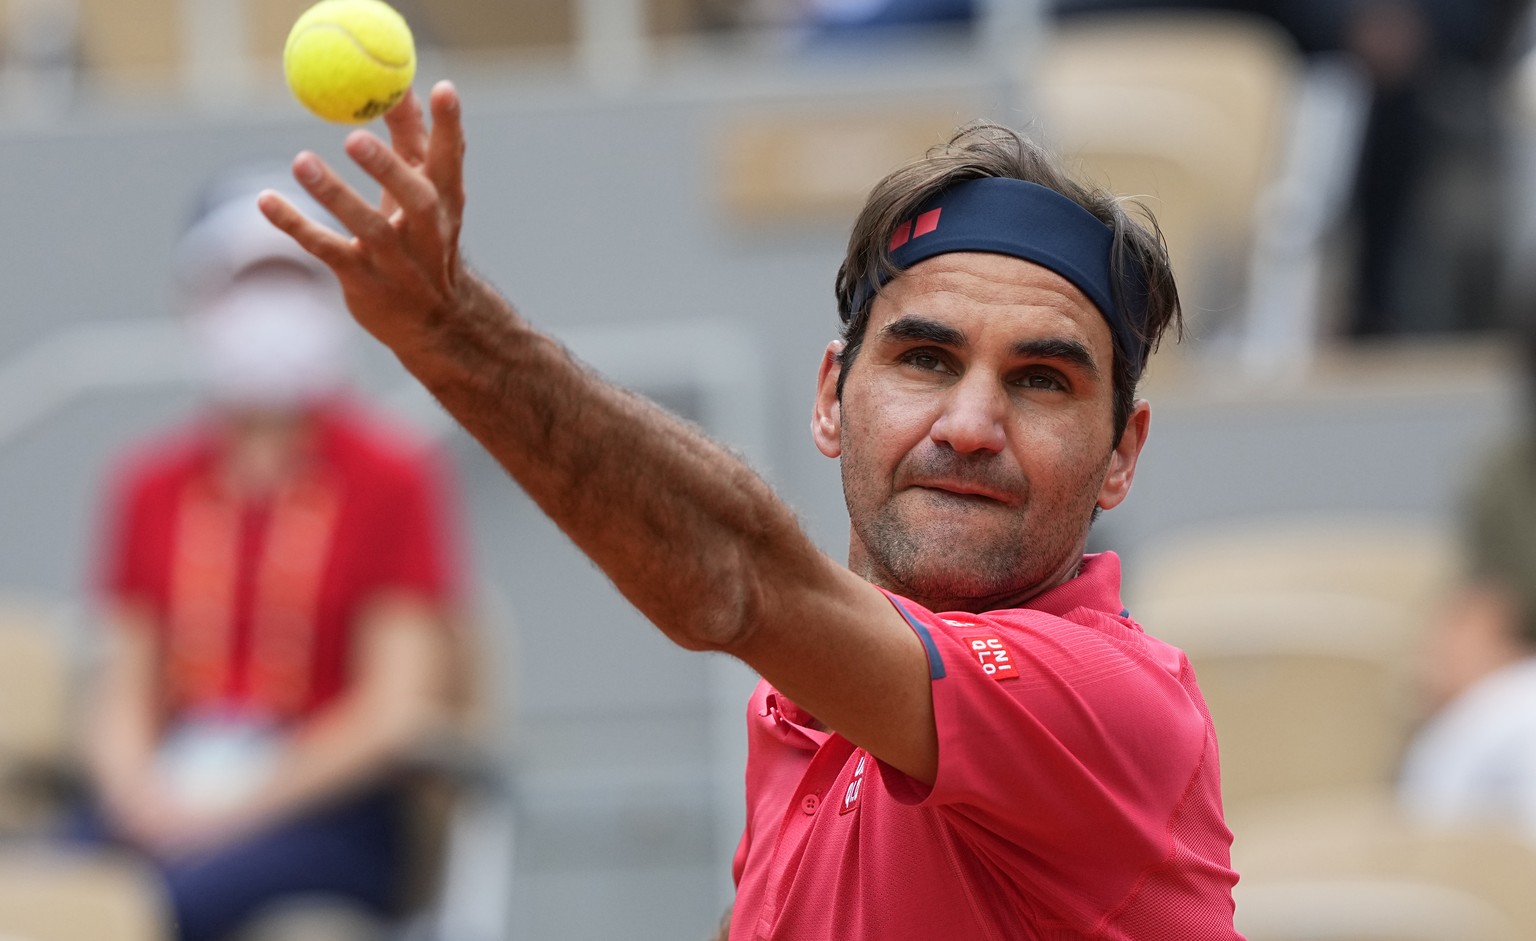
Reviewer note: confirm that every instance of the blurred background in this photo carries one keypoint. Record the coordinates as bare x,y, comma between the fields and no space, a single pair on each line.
667,186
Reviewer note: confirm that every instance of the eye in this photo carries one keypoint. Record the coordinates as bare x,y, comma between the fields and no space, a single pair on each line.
1048,380
925,359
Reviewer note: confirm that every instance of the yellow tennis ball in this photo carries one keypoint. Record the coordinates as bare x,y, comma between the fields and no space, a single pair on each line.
349,61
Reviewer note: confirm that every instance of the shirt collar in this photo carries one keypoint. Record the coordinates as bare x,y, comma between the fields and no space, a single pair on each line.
1096,586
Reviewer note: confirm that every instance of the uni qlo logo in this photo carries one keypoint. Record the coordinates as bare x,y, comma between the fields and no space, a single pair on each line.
856,786
994,658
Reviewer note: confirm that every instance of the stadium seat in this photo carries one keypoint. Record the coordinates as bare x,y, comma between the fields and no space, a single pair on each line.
776,166
1310,693
464,816
1406,563
35,730
1367,909
1190,113
461,809
1353,863
48,895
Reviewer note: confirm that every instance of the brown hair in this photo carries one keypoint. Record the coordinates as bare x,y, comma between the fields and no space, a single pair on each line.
982,150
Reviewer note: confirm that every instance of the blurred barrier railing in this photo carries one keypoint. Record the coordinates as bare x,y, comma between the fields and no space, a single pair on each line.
77,362
1281,324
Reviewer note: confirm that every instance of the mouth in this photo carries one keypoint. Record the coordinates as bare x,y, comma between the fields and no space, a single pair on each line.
968,492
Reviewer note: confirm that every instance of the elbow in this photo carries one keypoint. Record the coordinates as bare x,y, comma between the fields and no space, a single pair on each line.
724,629
740,581
406,725
740,602
428,720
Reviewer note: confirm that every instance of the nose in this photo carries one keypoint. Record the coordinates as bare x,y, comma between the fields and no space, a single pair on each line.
972,420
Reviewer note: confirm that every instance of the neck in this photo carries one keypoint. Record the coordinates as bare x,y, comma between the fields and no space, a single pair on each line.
955,597
263,451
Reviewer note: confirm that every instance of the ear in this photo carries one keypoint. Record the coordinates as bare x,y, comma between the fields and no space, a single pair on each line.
1122,462
827,418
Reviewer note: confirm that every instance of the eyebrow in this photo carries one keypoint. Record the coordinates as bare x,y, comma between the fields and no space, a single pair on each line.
1058,348
913,329
922,330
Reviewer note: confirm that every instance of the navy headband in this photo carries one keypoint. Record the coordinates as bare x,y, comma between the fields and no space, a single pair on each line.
1032,222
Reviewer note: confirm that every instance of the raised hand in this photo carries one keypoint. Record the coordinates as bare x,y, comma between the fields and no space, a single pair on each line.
399,269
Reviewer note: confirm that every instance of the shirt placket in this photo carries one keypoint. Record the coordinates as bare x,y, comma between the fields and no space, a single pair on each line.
809,802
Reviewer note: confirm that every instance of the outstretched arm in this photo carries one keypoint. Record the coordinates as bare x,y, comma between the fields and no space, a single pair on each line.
686,531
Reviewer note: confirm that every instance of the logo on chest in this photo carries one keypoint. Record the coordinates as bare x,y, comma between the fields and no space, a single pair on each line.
994,657
856,786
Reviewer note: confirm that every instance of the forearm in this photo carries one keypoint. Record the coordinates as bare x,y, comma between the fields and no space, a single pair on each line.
122,723
686,531
341,751
119,753
682,526
394,704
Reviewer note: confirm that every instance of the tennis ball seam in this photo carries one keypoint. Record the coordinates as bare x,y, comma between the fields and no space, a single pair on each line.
369,53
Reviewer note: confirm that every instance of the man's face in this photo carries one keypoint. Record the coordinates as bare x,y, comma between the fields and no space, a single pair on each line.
976,431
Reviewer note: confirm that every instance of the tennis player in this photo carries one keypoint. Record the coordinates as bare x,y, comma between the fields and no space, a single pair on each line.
961,733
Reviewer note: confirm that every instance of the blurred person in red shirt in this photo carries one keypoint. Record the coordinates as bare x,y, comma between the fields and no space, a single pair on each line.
279,574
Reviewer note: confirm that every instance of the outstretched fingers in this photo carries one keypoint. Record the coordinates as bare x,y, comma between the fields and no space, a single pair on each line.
405,184
401,259
408,138
445,148
418,228
408,129
357,214
335,249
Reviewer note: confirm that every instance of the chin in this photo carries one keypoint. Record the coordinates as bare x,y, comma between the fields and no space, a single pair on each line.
949,558
955,569
953,575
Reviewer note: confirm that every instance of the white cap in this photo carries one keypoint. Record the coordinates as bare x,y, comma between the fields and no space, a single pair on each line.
265,336
228,233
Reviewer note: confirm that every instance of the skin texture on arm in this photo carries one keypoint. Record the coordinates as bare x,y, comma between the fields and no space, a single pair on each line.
123,724
689,534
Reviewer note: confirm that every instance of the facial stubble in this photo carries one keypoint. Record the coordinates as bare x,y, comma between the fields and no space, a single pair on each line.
960,563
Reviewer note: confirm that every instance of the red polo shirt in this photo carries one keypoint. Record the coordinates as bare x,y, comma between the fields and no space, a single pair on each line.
1078,793
256,603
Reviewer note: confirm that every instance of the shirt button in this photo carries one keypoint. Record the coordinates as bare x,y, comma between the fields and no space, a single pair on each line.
809,802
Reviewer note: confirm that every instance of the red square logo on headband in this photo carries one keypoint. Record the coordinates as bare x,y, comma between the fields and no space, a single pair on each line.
926,222
900,236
